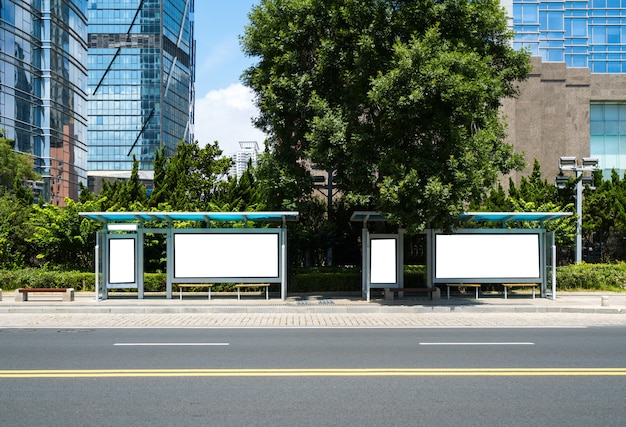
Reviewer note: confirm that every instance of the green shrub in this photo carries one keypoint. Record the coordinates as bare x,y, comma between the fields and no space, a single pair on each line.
606,277
345,279
326,282
42,278
154,282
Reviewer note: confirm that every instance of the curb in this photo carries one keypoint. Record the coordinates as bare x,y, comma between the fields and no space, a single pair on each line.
287,309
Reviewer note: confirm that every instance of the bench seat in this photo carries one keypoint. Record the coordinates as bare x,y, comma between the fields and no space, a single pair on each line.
505,286
21,294
193,285
253,285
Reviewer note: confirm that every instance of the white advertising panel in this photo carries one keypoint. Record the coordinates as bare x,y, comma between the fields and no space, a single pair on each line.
475,256
383,261
122,261
223,255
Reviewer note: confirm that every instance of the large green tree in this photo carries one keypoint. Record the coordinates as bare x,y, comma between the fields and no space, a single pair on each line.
400,98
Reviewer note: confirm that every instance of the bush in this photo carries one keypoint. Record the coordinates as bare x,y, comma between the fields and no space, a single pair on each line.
42,278
345,279
606,277
595,277
326,279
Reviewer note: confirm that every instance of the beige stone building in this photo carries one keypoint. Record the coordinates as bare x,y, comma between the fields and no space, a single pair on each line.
553,116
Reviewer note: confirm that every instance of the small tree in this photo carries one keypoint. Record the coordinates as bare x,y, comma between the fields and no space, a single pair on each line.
189,179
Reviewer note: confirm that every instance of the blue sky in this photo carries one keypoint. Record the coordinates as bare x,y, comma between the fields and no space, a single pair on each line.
224,106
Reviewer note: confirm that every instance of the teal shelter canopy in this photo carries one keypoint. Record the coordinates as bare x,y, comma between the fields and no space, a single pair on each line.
106,217
504,217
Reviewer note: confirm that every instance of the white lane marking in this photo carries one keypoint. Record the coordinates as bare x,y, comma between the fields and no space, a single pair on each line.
170,344
477,343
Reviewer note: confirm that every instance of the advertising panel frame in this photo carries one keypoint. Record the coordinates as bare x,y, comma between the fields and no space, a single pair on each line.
539,278
253,234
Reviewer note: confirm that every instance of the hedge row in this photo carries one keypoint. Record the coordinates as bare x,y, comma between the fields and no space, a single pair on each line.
607,277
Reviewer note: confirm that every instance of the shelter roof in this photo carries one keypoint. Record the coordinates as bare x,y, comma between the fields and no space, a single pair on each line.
107,217
367,216
501,217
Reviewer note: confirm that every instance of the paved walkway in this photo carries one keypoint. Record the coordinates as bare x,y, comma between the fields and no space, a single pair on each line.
568,309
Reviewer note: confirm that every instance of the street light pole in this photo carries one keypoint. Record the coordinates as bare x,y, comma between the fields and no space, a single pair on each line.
588,164
579,215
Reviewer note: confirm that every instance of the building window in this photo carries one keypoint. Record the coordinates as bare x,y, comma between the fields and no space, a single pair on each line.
608,136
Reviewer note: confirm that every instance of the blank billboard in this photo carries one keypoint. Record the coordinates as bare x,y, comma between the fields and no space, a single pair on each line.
487,256
122,261
383,261
226,255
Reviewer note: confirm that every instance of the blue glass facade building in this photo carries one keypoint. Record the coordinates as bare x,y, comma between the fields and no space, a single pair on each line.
43,89
582,34
141,81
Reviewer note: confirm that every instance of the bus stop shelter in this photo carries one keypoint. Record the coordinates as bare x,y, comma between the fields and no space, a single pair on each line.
196,250
500,254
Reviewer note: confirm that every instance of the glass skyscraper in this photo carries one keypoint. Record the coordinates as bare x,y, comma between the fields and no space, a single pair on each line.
43,89
141,81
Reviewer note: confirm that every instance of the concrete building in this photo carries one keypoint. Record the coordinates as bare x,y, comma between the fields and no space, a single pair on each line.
574,103
43,90
141,82
248,153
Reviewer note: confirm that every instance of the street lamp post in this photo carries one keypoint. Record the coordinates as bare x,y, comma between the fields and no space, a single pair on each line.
571,164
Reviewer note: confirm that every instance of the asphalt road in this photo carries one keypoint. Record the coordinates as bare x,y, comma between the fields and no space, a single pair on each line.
365,377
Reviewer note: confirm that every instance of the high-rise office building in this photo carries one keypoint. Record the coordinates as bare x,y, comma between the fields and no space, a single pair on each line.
246,156
574,103
43,89
141,82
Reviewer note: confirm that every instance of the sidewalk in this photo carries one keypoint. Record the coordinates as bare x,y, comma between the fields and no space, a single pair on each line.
328,310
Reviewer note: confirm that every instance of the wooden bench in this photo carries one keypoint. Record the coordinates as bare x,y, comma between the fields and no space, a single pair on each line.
21,294
519,285
390,292
193,285
463,285
253,285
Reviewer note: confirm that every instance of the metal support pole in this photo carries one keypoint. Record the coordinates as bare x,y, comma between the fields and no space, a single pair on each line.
97,264
553,272
579,213
283,263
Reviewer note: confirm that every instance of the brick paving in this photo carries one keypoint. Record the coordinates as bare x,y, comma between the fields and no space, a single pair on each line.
267,320
304,312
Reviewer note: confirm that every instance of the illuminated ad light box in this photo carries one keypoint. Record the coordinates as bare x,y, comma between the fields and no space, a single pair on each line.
227,255
122,261
487,256
383,258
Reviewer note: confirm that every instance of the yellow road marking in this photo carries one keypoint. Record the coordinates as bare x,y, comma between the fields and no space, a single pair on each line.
321,372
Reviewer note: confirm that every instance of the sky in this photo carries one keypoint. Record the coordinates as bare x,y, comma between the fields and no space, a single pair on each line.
224,107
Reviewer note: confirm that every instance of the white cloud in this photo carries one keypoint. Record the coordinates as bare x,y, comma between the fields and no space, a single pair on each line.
225,115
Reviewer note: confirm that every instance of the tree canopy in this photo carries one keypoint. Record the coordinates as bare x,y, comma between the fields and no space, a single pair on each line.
400,98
